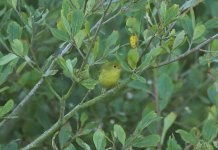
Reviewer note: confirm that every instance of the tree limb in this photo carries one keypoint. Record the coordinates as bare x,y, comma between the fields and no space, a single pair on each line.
103,97
10,122
94,39
58,124
197,48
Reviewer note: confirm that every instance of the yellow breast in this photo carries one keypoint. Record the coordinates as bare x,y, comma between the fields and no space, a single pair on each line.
109,78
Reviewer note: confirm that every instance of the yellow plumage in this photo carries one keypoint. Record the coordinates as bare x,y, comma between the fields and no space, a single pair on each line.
110,74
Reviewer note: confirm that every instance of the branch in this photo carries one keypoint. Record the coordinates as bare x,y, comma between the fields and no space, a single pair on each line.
197,48
7,122
146,48
94,39
103,97
108,20
58,124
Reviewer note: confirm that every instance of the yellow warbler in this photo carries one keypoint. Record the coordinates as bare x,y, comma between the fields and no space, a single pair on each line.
109,74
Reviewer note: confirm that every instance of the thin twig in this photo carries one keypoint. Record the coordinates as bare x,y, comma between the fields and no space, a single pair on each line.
197,48
108,20
146,48
53,91
62,111
86,95
207,51
26,100
21,105
85,5
157,108
94,39
48,133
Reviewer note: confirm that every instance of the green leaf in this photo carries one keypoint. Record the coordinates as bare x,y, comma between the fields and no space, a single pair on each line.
79,37
204,59
6,17
133,58
163,9
187,25
66,24
6,72
14,31
179,39
87,27
10,146
212,23
77,21
70,147
122,62
7,58
119,133
214,45
28,60
189,4
4,89
142,142
146,120
90,5
96,47
2,11
14,3
64,134
69,66
198,31
148,141
165,89
89,83
17,47
111,40
61,35
172,144
188,137
81,143
150,57
168,121
42,16
139,78
83,118
25,48
133,25
192,17
66,6
210,130
50,73
99,140
62,63
171,14
6,108
84,74
88,128
213,94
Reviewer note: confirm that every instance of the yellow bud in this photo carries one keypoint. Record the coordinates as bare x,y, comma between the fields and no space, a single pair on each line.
133,41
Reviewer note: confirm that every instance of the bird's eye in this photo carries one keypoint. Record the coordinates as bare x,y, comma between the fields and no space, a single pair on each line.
115,66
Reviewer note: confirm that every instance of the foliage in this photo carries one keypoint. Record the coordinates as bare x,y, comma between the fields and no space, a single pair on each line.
51,56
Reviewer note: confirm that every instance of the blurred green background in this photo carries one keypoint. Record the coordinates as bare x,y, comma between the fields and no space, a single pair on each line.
187,87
